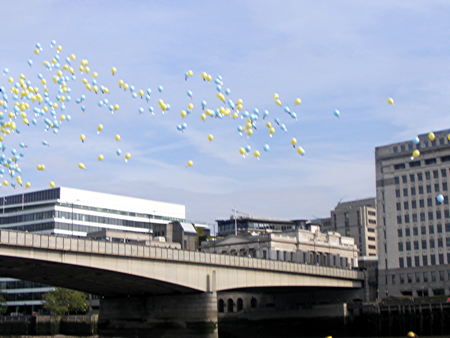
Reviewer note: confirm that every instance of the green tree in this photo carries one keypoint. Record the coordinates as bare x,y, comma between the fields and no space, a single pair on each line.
64,301
3,306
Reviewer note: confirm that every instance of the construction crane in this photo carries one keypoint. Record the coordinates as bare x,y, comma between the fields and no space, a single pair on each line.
235,218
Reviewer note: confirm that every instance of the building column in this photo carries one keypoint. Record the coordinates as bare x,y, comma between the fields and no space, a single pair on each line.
179,315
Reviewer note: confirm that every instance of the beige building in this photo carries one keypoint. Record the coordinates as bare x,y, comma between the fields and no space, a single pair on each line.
414,226
357,219
307,246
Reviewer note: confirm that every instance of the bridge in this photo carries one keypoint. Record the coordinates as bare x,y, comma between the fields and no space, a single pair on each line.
138,281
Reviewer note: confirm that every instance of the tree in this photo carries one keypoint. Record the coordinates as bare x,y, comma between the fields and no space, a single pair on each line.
64,301
3,306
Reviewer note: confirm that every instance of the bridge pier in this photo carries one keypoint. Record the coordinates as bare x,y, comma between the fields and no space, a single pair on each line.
181,315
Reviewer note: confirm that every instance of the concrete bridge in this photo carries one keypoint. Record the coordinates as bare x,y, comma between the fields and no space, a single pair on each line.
153,285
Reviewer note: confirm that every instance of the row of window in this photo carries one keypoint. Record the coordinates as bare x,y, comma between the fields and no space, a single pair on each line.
408,262
420,277
420,190
14,297
119,212
415,244
19,284
423,144
428,174
430,202
413,164
423,230
45,195
421,217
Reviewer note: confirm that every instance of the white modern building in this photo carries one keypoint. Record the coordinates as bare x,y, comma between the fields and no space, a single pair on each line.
413,225
306,246
74,212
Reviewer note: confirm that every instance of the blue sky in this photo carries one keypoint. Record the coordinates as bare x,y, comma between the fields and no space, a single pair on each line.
346,55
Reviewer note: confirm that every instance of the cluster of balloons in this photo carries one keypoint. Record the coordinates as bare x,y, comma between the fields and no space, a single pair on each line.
44,102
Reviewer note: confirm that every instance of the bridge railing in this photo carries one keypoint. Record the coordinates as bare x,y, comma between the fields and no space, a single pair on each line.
79,245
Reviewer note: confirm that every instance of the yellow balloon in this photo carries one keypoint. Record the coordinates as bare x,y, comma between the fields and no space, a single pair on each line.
257,154
448,137
190,106
27,185
298,101
390,100
82,137
94,75
278,102
73,57
271,131
113,70
431,136
141,93
99,127
411,334
203,117
242,151
300,150
127,156
210,137
276,96
5,183
250,132
81,165
120,83
293,141
116,107
52,184
183,113
100,157
416,153
190,163
117,137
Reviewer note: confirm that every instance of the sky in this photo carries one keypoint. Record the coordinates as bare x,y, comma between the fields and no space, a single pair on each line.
345,55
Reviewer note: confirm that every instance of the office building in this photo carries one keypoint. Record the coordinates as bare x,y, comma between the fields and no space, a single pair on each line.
306,245
73,212
357,219
413,225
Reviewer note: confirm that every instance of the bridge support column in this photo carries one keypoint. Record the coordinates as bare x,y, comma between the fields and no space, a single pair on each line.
193,315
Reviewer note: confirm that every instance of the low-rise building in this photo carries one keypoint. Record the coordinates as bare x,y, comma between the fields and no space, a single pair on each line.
304,245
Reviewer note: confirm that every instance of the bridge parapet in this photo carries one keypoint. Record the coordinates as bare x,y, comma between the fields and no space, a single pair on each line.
68,244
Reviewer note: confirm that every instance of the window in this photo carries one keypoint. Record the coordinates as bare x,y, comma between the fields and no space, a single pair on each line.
428,189
433,259
405,192
421,203
401,262
423,230
439,228
414,217
397,192
429,202
408,264
444,186
443,172
424,263
416,261
415,231
414,164
441,259
399,166
416,245
407,232
420,189
399,219
419,177
427,175
440,243
447,227
428,161
406,205
436,187
431,243
430,215
422,217
424,243
406,219
413,204
445,158
408,246
435,173
399,233
412,178
400,246
438,214
413,191
395,149
396,180
399,206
